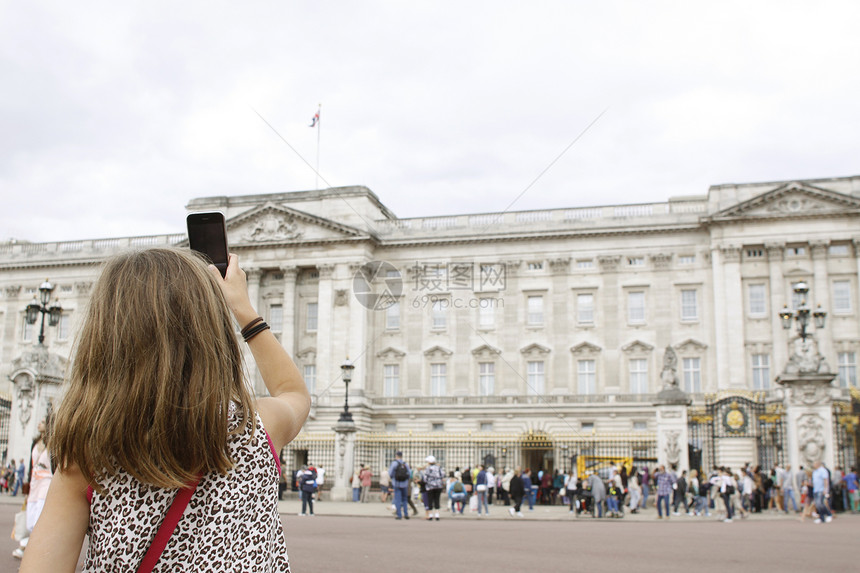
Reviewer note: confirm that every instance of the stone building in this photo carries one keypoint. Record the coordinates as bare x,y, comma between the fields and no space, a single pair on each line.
539,338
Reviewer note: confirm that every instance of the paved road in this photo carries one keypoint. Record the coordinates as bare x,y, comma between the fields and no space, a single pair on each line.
333,544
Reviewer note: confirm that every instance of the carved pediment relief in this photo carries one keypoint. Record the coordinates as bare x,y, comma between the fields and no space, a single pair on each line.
390,354
690,346
637,347
486,350
271,223
585,348
535,349
307,355
437,351
790,200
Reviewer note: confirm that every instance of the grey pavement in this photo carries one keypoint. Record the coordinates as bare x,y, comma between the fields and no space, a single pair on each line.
376,508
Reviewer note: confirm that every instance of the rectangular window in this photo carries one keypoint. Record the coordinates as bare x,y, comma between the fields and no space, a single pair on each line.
486,378
536,378
438,378
761,371
692,375
535,266
63,327
27,331
838,250
486,313
585,308
391,380
687,259
640,426
309,373
390,426
636,261
755,253
587,376
585,264
636,307
638,376
486,426
586,427
311,321
689,307
847,362
392,317
535,310
440,321
842,297
276,317
795,251
757,300
438,426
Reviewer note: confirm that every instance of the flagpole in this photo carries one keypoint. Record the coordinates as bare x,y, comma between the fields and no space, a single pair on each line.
319,128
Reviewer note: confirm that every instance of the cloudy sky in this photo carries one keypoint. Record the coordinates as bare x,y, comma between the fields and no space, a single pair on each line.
113,116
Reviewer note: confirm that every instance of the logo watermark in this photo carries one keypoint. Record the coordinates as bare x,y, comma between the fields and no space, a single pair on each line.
378,285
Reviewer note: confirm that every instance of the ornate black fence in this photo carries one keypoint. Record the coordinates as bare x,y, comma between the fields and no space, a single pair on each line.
736,414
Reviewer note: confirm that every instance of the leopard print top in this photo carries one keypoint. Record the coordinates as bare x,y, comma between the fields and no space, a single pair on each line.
230,524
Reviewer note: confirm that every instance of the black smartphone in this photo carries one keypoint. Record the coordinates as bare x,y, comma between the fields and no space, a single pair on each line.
207,234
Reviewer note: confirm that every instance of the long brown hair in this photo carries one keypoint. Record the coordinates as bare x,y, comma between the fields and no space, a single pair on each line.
156,367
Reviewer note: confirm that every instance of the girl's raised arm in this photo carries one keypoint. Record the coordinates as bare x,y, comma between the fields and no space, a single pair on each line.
285,412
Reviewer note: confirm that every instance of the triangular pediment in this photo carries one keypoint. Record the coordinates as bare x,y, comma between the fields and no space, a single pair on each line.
535,349
485,350
437,351
273,224
637,346
691,345
307,354
794,199
390,353
585,348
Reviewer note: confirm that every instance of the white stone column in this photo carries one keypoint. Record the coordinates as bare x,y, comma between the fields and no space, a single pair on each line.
728,324
328,366
253,276
736,364
288,331
775,254
820,294
358,337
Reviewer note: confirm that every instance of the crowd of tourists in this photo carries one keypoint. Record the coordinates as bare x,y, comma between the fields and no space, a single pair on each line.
810,493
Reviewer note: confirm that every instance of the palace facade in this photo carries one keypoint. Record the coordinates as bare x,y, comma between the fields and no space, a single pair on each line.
524,337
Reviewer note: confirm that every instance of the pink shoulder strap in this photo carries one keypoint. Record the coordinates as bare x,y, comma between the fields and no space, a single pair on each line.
168,526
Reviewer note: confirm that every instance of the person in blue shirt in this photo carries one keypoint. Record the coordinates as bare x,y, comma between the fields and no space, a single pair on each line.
401,486
19,477
851,487
821,492
527,487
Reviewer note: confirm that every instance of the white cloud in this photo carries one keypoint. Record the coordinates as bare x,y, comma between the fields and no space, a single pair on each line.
117,116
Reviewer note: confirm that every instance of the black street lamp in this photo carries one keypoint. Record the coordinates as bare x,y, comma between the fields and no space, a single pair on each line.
41,306
346,369
802,314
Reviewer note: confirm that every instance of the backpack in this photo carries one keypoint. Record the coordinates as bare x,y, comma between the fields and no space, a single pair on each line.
458,487
401,473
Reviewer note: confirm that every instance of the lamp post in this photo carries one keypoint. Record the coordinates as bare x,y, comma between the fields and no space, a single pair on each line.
802,314
41,306
346,369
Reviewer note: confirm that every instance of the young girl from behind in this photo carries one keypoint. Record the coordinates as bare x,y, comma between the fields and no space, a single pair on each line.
157,406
